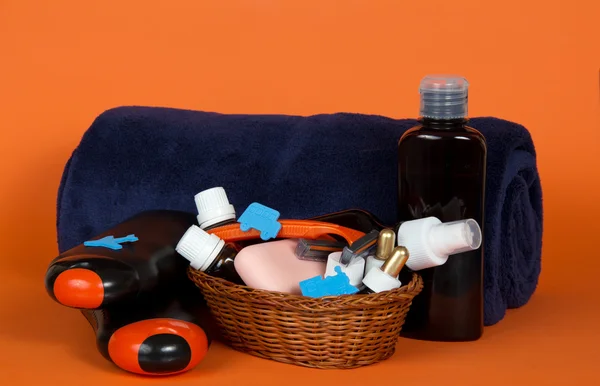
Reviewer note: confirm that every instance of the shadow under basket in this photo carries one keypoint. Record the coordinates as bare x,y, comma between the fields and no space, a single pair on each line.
335,332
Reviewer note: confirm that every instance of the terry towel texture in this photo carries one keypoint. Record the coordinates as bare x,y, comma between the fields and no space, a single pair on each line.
133,159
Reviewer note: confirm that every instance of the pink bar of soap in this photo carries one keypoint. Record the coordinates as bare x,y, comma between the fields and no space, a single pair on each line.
273,266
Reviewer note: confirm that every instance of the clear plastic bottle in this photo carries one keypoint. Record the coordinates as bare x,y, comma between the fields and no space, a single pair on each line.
441,173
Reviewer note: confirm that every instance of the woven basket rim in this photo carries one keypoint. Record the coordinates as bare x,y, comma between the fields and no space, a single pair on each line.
286,301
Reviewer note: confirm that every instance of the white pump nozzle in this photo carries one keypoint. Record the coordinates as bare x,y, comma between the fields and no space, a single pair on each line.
430,242
455,237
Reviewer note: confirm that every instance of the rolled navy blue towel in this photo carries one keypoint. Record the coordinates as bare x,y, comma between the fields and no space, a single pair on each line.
134,159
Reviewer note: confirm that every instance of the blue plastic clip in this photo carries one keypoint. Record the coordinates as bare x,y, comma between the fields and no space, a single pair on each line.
339,284
261,218
111,242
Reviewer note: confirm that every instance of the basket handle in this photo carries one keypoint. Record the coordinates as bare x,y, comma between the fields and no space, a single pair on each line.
290,229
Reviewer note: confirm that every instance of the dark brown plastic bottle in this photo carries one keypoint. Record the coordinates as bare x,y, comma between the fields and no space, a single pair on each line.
137,288
223,266
208,253
441,173
138,269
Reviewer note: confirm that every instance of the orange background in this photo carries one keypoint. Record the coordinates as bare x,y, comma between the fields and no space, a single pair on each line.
535,62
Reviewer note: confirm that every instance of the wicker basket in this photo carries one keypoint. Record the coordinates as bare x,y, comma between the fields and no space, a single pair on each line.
328,333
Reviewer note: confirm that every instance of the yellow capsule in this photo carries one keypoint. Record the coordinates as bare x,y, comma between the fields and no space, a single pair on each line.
385,244
394,264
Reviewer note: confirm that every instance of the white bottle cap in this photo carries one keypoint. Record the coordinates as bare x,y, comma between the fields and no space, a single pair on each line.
430,241
373,262
355,270
199,247
213,207
378,281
